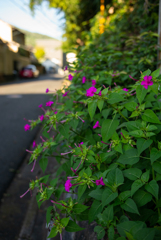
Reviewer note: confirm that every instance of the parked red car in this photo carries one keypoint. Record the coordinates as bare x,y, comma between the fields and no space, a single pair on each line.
29,72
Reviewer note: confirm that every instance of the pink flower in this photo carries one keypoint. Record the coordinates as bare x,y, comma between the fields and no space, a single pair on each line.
41,118
81,143
93,82
27,127
70,77
100,94
68,185
100,182
56,112
66,68
48,104
83,79
65,94
125,89
34,144
91,91
96,125
147,82
40,106
47,90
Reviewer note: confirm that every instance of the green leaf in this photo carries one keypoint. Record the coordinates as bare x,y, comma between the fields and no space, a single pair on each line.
154,88
53,232
97,194
141,198
145,234
73,227
145,176
115,98
124,195
137,133
81,190
43,162
132,173
95,209
126,226
65,221
156,73
136,185
141,93
104,91
129,157
108,128
106,112
133,125
69,103
108,196
154,155
78,208
143,144
130,206
131,106
147,72
92,109
100,104
118,148
115,177
100,231
48,215
64,130
108,213
111,233
150,116
157,166
153,188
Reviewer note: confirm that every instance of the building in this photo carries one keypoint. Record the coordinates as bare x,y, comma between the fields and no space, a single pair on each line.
13,53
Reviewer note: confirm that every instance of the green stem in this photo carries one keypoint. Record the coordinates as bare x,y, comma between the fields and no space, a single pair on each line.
144,157
77,133
122,115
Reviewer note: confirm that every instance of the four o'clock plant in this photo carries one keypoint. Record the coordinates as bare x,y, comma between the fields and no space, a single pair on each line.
107,140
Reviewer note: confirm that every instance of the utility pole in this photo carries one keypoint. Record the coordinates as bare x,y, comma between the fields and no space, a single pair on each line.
102,19
159,38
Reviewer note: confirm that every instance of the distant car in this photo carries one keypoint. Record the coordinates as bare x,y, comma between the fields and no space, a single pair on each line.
29,71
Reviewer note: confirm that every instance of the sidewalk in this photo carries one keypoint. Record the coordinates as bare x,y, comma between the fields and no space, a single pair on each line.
20,217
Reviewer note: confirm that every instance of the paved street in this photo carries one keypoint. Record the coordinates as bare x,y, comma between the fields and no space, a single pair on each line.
20,99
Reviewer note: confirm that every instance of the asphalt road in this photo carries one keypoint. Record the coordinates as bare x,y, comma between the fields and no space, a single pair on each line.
20,99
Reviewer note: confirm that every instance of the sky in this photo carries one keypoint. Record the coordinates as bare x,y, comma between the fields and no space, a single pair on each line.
46,20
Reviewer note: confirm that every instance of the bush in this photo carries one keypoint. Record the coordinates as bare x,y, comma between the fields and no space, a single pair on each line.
110,152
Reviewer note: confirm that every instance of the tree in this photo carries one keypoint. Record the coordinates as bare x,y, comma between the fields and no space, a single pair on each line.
39,52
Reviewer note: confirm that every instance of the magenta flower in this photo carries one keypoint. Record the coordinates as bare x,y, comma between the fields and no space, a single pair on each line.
48,104
47,90
97,125
40,106
83,79
70,77
34,144
125,89
56,112
41,118
68,185
66,68
93,82
147,82
65,94
100,93
27,127
91,91
100,182
81,143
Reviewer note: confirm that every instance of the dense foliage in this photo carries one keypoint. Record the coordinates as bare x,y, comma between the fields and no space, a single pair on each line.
110,145
107,140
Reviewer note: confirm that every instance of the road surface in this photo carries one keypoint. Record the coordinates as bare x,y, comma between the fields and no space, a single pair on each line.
18,100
